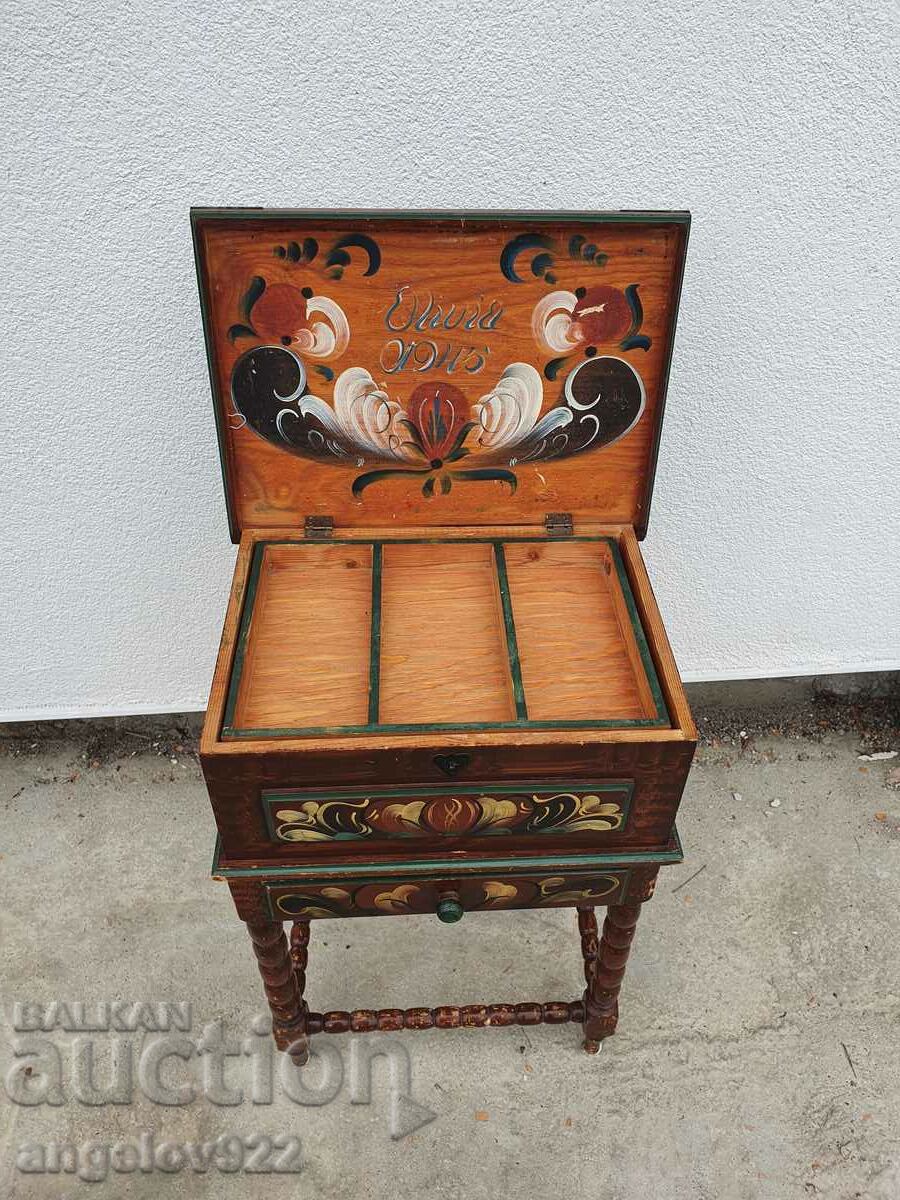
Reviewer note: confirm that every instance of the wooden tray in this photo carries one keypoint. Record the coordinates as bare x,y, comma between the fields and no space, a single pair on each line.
400,635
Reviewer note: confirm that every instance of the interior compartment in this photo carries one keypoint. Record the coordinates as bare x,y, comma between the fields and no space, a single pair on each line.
443,651
577,649
356,636
306,639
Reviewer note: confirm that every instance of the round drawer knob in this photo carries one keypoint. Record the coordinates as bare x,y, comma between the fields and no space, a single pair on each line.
449,910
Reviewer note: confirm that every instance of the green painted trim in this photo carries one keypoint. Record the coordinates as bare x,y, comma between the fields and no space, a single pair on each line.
528,216
218,406
437,541
217,854
640,525
639,636
509,624
243,636
417,867
375,635
276,796
231,734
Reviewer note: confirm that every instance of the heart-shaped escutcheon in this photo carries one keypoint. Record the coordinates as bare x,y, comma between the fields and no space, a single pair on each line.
451,764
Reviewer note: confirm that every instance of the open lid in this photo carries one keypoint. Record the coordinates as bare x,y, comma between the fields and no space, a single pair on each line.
447,368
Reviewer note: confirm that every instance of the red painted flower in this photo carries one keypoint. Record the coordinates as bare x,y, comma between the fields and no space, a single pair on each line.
313,326
426,436
563,322
280,313
602,314
436,420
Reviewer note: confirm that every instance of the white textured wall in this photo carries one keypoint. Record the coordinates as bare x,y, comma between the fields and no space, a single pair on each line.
773,541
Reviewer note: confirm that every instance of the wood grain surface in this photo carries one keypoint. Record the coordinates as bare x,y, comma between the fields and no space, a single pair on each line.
443,651
307,659
441,647
578,653
426,743
444,313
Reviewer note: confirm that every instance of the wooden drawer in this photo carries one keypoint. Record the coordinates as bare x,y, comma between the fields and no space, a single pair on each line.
448,899
595,811
419,886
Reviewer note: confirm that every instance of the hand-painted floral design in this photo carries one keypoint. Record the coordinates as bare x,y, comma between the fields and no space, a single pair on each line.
435,432
426,437
564,322
541,253
314,325
509,422
431,433
429,436
477,894
449,815
603,399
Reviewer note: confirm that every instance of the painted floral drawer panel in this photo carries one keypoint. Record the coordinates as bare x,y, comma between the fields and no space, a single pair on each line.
548,808
486,893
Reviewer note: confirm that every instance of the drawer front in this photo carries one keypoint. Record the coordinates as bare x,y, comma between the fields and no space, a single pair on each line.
402,897
548,808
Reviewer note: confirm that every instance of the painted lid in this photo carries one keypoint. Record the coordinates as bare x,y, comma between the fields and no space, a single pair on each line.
447,368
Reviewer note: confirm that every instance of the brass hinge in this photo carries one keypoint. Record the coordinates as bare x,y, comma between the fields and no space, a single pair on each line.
558,524
318,527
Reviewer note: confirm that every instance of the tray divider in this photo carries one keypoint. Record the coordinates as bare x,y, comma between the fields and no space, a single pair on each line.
509,626
375,635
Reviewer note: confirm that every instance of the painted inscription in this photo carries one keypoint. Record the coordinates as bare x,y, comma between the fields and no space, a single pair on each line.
424,324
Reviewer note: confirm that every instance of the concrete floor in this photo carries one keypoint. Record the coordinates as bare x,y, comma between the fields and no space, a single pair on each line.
759,1044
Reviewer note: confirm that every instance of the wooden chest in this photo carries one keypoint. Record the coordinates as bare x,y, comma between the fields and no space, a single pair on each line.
443,684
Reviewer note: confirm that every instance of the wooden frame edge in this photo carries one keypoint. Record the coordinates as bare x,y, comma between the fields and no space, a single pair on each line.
659,719
641,525
218,692
572,862
657,638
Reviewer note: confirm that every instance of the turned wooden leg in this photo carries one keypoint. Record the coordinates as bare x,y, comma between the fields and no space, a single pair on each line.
604,968
280,982
299,960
